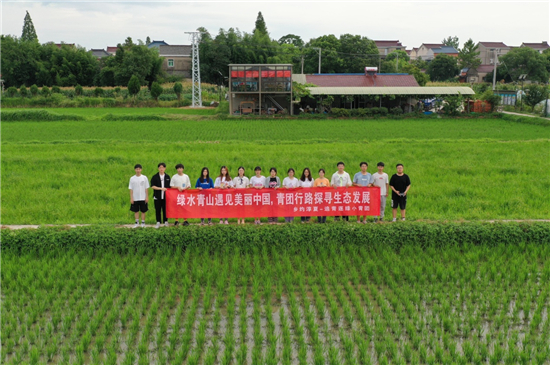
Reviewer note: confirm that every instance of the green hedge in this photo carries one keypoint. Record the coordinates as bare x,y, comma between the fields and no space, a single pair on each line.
35,115
286,237
526,120
111,117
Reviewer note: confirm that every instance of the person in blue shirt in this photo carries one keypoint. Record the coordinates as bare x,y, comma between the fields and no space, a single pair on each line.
363,179
205,182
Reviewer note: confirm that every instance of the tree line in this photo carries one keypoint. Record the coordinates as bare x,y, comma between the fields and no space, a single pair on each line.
25,61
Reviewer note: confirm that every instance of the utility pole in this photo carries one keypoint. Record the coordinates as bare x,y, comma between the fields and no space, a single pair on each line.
319,57
495,69
196,73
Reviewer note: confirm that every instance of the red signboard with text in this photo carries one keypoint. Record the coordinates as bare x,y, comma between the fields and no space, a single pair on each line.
250,203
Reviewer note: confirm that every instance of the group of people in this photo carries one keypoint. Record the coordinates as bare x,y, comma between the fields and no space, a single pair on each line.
399,183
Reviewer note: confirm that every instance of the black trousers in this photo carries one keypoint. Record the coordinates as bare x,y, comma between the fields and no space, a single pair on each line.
160,205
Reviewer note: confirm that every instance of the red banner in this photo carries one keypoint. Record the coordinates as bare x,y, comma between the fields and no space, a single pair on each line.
250,203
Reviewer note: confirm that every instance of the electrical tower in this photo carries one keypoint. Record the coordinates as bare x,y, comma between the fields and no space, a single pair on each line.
196,73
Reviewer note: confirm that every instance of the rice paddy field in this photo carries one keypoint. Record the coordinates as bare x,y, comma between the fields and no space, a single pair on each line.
333,305
340,293
72,172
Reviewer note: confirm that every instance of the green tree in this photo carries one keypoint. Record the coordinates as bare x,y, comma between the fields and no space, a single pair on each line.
156,90
19,61
357,52
178,89
331,61
296,40
468,55
131,59
525,60
260,26
535,94
29,33
442,67
420,77
451,41
134,86
546,53
147,41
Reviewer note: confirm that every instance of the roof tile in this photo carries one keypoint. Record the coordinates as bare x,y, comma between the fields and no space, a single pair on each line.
378,80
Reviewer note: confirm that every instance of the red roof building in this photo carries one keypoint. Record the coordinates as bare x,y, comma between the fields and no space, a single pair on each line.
360,80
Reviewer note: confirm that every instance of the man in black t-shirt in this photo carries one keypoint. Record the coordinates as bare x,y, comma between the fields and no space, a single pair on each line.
400,185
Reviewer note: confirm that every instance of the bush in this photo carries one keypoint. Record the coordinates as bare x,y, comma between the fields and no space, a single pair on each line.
34,115
23,91
11,91
374,111
491,98
156,90
45,91
116,118
134,86
56,89
178,89
284,237
340,112
34,90
396,111
168,97
78,90
98,92
117,90
383,110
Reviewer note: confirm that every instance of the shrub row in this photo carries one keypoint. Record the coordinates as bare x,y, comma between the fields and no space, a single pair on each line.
526,120
35,115
360,112
284,237
57,100
115,118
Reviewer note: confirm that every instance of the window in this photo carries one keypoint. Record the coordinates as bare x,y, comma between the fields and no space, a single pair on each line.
170,62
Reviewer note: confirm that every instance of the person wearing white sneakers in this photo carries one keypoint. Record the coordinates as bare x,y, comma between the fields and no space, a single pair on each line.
139,195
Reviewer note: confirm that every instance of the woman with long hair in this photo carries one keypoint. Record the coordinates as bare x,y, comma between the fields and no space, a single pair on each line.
240,182
306,181
223,181
204,182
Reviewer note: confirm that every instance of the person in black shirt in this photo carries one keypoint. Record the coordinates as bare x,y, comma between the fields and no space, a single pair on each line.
400,185
160,182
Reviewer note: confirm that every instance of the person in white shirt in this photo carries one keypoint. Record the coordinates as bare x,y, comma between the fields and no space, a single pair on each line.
362,179
381,180
340,179
257,182
181,182
290,182
306,181
223,181
139,195
241,182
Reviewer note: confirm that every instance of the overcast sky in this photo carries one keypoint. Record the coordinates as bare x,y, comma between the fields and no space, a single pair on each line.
98,24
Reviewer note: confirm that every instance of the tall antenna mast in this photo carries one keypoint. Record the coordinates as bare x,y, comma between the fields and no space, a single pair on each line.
196,73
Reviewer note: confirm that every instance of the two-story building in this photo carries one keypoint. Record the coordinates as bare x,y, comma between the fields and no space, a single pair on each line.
387,47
